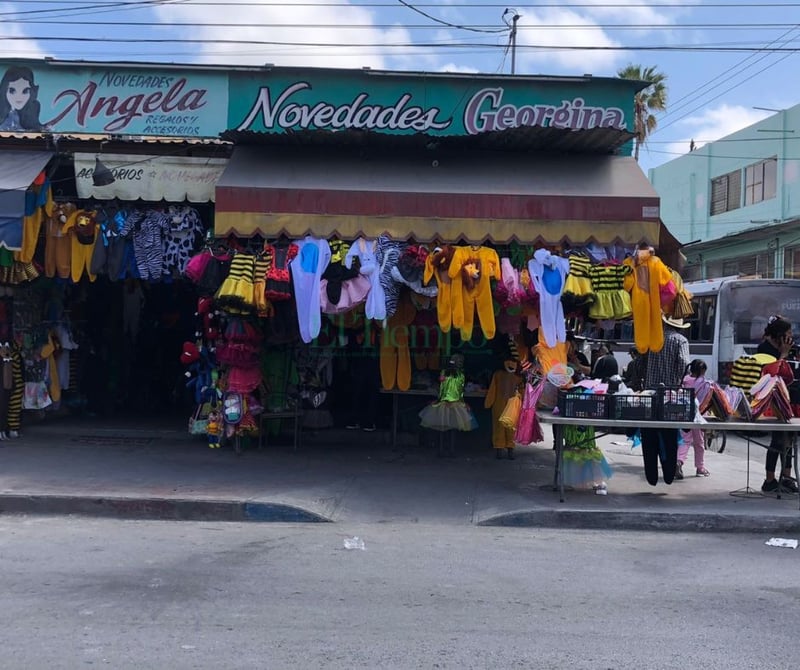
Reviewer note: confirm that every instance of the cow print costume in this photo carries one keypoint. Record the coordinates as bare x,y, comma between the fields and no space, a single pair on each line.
181,239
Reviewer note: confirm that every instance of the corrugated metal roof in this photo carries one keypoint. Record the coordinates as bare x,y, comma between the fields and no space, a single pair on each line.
524,139
91,137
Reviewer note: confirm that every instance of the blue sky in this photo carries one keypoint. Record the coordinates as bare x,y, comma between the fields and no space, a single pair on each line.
710,94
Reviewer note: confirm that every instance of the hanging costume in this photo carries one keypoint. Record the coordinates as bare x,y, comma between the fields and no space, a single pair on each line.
529,430
58,245
470,272
237,293
410,270
437,265
612,301
388,254
342,288
644,284
659,445
14,413
505,383
40,202
584,462
148,230
185,227
548,273
395,356
279,281
365,251
82,228
307,267
449,412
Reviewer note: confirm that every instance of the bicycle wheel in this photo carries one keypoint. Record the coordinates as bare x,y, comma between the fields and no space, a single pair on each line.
716,440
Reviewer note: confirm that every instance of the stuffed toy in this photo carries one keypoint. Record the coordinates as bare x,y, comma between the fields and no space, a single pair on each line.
202,375
214,429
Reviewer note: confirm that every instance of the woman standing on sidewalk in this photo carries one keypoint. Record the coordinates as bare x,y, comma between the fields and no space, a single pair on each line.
778,342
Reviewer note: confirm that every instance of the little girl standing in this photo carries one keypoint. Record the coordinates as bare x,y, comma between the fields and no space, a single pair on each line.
695,379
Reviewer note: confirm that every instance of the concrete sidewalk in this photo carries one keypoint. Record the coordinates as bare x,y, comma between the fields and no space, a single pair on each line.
85,468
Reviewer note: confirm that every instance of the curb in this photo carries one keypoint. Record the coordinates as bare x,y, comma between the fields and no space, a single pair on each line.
173,509
650,521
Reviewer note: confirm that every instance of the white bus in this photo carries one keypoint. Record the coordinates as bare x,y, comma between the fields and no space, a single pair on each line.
729,318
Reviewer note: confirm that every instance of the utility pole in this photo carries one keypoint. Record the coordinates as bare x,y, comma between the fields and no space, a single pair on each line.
512,37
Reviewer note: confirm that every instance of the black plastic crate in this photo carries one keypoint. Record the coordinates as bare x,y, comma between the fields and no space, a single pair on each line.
637,407
575,405
676,404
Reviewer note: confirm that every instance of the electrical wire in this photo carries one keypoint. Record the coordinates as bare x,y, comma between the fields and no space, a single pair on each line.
447,23
369,26
718,48
691,98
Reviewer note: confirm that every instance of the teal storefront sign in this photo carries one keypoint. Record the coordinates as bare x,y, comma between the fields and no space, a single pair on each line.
125,100
289,99
157,100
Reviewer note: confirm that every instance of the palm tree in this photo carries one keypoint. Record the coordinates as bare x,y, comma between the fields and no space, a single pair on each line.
652,98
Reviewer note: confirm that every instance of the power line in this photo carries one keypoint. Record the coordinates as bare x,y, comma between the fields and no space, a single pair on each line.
727,47
442,22
470,5
476,27
692,97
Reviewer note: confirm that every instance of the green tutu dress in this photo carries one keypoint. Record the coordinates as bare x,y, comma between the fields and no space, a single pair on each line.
449,412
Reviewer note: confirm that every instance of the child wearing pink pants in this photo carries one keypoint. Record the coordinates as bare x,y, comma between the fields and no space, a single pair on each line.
694,379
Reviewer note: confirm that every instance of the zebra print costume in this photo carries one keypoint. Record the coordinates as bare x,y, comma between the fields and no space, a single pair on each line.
147,230
388,254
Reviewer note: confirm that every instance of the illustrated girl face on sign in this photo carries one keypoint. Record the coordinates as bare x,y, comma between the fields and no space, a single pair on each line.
18,93
19,103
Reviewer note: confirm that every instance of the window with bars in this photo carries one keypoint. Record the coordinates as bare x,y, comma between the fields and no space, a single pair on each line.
726,192
692,272
791,263
760,181
755,265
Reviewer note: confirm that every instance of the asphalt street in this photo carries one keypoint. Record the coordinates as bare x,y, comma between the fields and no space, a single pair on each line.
78,592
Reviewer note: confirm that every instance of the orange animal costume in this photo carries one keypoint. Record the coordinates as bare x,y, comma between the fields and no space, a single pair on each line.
504,385
649,275
82,227
470,272
394,353
58,244
437,264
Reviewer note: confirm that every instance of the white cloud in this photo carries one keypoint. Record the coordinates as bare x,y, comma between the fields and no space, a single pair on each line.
631,11
573,60
26,48
462,69
319,24
712,124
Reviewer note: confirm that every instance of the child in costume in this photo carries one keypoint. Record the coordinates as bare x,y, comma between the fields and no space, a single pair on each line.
450,412
214,429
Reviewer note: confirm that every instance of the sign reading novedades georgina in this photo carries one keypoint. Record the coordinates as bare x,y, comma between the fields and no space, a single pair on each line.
409,104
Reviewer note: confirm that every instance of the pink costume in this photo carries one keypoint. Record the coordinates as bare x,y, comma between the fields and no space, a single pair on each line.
528,428
366,253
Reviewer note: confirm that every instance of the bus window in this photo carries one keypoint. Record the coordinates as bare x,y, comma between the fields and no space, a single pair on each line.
702,321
